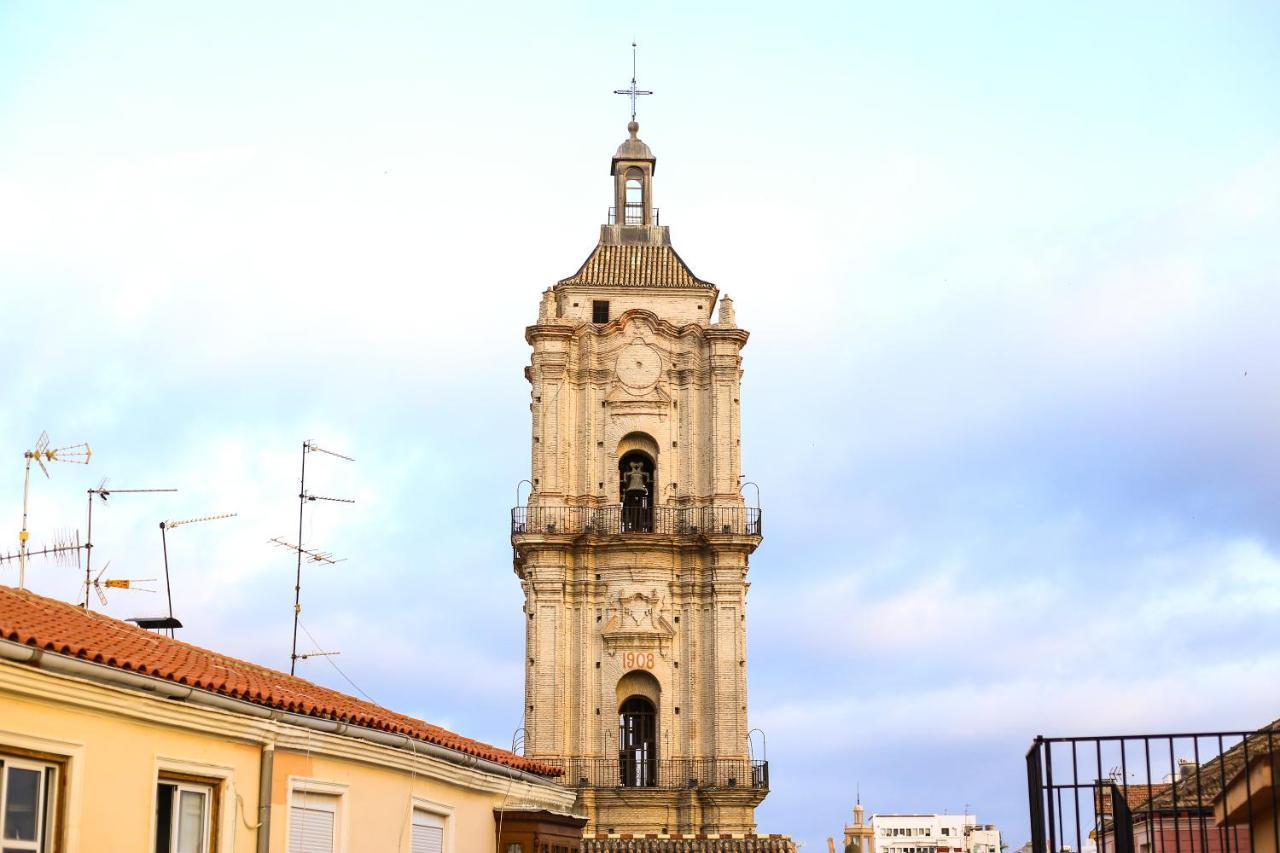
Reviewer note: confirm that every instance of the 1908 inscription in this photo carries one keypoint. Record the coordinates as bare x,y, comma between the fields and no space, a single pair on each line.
637,660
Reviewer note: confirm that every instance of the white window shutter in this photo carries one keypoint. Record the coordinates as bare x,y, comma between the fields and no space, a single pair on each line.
427,839
310,830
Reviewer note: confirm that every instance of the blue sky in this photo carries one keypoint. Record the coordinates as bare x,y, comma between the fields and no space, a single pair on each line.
1011,393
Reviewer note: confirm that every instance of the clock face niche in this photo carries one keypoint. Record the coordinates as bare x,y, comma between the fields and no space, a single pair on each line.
638,367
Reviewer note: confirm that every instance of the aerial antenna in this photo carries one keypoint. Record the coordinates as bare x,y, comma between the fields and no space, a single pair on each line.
64,551
164,544
75,453
103,493
99,585
633,92
311,554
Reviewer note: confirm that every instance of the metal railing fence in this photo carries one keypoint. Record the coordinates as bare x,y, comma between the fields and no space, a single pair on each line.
665,774
1208,792
632,215
614,520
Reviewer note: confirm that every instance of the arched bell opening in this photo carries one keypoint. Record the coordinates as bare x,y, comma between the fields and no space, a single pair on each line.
638,742
633,198
637,486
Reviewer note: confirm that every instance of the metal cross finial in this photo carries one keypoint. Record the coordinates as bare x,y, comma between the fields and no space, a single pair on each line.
633,92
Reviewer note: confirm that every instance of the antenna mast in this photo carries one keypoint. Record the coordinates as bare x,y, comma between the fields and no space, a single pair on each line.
103,493
311,554
42,453
164,544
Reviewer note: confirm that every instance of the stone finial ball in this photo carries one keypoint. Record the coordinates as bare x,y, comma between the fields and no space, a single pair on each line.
633,127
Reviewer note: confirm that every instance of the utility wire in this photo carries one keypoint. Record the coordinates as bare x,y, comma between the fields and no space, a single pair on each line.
329,658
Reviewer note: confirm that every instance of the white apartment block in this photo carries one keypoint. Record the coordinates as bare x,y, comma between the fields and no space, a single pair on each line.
933,833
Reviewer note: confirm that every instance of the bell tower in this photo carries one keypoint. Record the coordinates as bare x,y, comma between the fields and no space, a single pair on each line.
632,548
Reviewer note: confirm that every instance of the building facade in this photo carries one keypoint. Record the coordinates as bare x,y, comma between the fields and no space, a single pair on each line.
932,833
117,739
632,549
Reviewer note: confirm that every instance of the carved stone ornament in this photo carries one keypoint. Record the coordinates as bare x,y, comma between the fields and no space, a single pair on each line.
638,367
637,620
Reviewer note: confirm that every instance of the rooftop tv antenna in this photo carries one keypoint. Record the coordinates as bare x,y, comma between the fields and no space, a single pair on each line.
115,583
164,543
103,493
42,453
64,551
310,554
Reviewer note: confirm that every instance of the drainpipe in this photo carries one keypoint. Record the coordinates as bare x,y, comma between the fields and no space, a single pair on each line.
266,766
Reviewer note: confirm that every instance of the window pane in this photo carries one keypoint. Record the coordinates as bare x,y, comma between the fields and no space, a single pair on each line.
191,808
164,817
21,799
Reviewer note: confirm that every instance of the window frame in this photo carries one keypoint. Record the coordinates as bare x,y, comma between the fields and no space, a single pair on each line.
50,797
210,787
300,787
598,307
442,812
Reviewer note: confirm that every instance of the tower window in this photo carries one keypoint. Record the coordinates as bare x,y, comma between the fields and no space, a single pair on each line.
634,202
600,311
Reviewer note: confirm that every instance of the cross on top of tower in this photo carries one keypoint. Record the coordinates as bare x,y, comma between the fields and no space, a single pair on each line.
633,92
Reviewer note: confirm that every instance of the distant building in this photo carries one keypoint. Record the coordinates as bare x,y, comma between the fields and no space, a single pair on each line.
932,833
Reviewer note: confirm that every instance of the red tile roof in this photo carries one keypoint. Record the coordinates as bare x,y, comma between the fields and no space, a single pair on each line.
66,629
1136,795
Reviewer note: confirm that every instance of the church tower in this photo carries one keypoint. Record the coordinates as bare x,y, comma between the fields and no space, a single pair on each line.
632,548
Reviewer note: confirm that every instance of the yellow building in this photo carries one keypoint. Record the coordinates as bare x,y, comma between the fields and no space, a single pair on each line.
113,738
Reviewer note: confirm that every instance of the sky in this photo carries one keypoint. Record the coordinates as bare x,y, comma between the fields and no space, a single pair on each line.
1011,273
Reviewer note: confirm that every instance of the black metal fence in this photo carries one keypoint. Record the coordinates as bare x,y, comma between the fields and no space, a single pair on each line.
613,520
1212,792
666,774
633,215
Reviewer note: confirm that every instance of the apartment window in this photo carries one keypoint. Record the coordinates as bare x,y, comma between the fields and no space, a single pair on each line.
28,799
600,310
313,822
183,816
428,832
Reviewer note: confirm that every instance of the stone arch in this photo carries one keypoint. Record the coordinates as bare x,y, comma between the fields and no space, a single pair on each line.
637,481
638,682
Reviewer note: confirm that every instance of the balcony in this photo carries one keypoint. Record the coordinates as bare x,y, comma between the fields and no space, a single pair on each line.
616,520
663,775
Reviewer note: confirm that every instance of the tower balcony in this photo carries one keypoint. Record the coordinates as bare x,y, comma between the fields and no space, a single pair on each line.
618,520
663,774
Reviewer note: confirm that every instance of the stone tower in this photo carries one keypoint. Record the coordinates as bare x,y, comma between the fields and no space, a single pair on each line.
632,548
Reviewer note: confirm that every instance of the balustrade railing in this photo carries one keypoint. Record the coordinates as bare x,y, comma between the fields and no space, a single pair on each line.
662,773
614,520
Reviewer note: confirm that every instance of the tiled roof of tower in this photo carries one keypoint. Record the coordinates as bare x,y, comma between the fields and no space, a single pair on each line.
635,266
65,629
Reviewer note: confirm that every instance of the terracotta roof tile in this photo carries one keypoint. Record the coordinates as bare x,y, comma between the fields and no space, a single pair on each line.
66,629
635,266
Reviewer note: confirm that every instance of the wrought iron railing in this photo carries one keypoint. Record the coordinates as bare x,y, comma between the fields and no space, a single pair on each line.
665,774
613,520
1211,792
632,215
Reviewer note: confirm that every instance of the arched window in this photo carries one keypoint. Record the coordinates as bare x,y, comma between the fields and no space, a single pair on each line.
638,743
637,486
634,201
